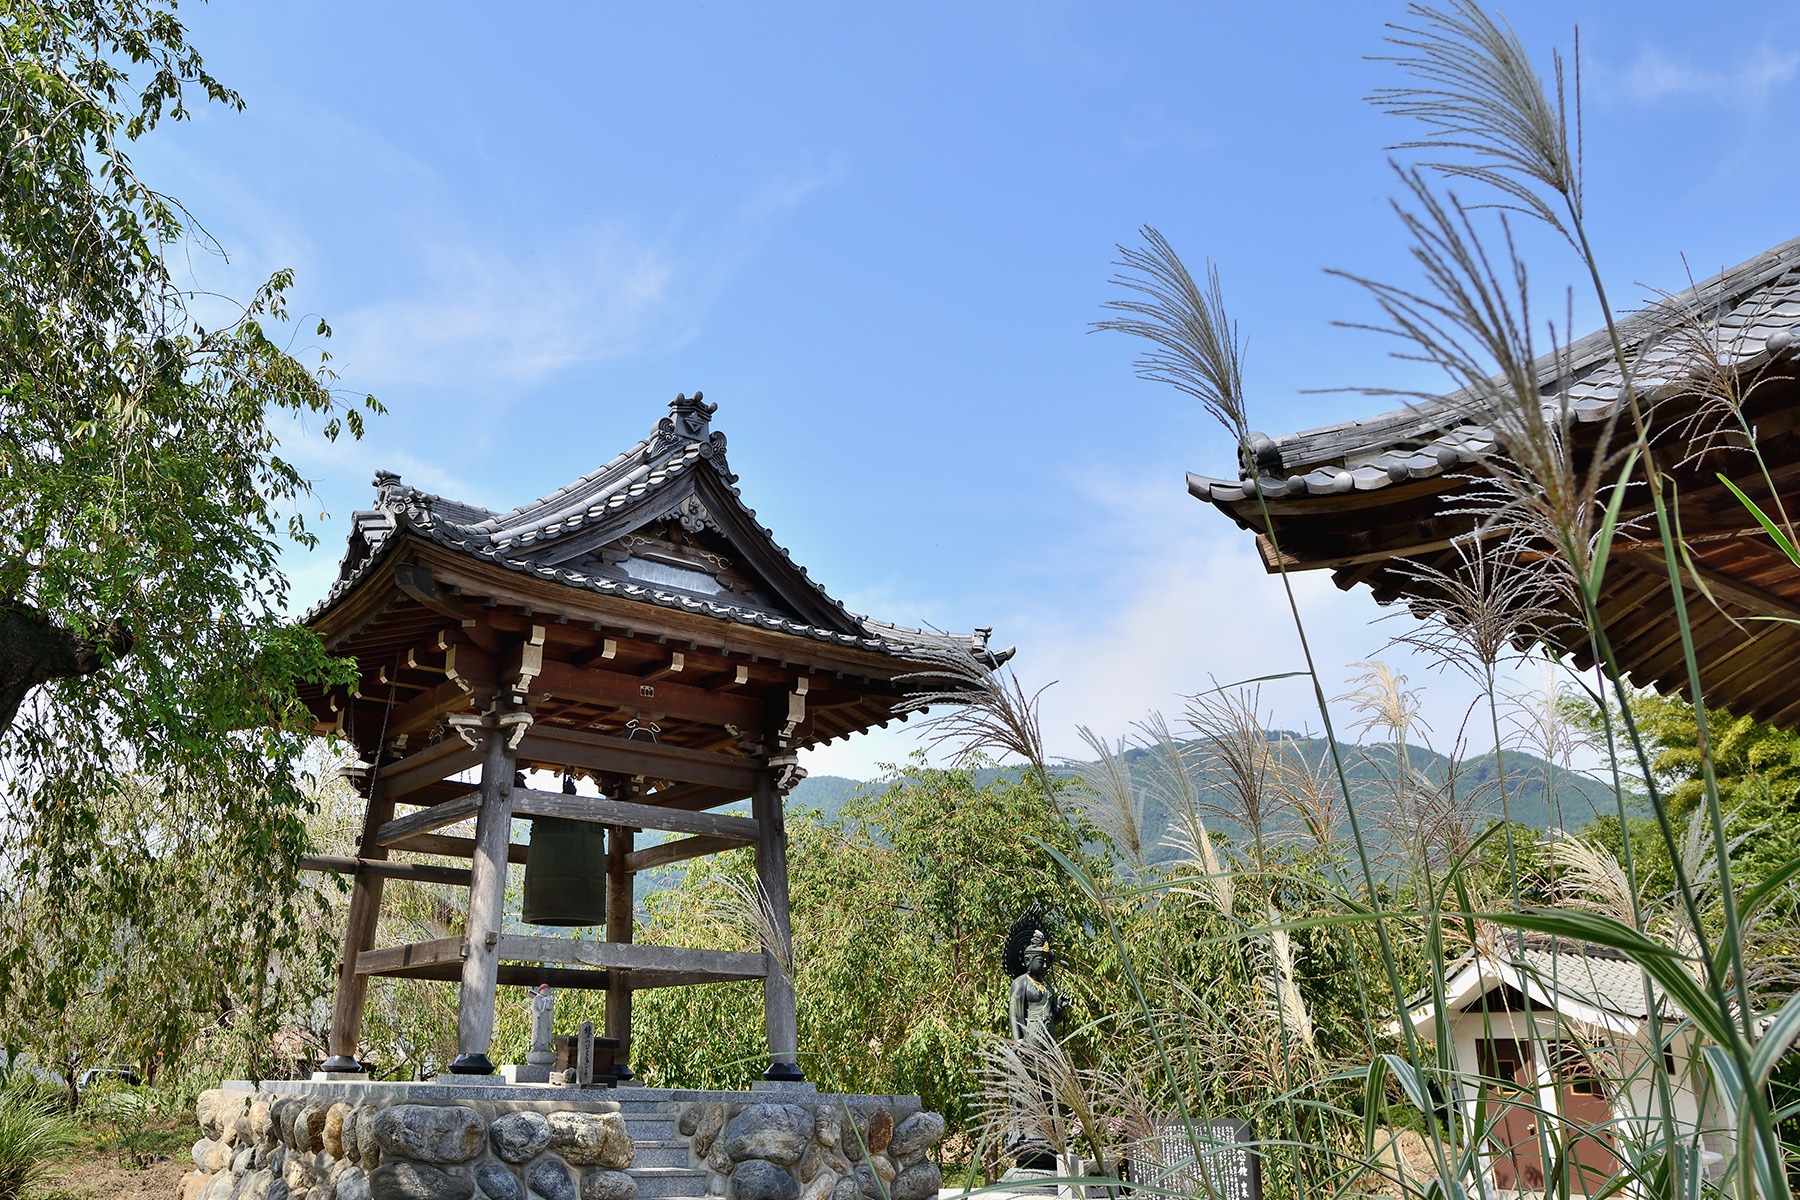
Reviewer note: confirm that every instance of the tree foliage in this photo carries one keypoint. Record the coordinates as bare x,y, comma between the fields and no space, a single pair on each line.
148,718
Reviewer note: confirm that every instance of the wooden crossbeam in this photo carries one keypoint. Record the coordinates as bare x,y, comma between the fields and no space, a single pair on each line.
417,954
634,756
1747,596
694,796
680,850
507,975
454,847
647,966
435,762
421,872
739,676
530,802
422,711
615,689
633,957
676,665
441,792
426,820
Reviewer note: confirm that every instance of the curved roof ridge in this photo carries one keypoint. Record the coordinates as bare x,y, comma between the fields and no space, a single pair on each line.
1757,302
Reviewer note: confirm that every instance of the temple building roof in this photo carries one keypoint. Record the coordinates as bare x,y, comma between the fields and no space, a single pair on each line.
1374,500
657,544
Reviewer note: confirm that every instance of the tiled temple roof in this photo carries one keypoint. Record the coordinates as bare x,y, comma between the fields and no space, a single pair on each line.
1754,309
548,539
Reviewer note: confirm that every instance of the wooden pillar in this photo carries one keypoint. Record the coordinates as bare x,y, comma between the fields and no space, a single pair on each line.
359,935
619,906
487,903
771,877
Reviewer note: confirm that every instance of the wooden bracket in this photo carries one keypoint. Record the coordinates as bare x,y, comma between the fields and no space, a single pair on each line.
676,664
531,663
518,723
416,582
469,727
796,712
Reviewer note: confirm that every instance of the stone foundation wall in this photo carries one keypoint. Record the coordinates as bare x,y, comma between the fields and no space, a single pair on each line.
261,1146
828,1149
373,1141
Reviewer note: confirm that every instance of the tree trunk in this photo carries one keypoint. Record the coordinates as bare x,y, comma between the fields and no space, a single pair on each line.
33,650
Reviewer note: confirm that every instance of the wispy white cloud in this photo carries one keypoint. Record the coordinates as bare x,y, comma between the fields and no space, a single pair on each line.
1656,75
452,289
479,307
1183,605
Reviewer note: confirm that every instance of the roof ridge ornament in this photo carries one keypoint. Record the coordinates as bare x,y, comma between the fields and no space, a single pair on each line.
689,418
390,493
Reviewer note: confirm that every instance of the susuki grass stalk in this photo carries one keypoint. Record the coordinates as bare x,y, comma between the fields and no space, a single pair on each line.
1197,351
1479,98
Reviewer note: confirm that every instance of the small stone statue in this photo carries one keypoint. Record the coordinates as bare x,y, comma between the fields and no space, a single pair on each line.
1036,1008
1034,1013
543,1027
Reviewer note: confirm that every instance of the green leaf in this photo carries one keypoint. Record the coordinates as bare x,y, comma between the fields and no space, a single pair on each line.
1781,538
1374,1103
1226,687
1597,571
1408,1077
1774,1042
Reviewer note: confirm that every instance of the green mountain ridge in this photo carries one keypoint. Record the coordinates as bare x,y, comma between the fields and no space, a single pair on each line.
1539,795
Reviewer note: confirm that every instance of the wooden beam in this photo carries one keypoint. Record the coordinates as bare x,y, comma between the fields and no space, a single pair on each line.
680,850
614,689
421,872
360,925
422,712
529,802
455,847
780,1025
1746,596
606,649
718,965
530,975
434,762
635,756
426,820
416,582
441,792
443,950
619,905
694,796
508,975
677,663
739,676
509,587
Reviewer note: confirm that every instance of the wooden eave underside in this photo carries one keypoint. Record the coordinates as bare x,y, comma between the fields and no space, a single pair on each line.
705,677
1748,650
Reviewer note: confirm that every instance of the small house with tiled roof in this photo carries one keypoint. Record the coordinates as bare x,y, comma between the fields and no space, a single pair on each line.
1552,1041
1385,501
642,634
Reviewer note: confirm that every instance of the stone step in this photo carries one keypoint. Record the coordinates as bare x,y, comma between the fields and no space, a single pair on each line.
651,1129
660,1152
658,1183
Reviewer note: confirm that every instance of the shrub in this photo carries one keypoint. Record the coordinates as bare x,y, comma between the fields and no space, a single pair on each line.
32,1132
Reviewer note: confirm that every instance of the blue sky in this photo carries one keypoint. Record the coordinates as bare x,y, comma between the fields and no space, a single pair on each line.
876,237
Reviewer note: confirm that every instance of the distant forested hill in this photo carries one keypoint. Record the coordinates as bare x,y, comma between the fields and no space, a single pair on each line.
1538,794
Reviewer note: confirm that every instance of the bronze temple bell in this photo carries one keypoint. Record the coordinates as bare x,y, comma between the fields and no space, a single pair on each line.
565,871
